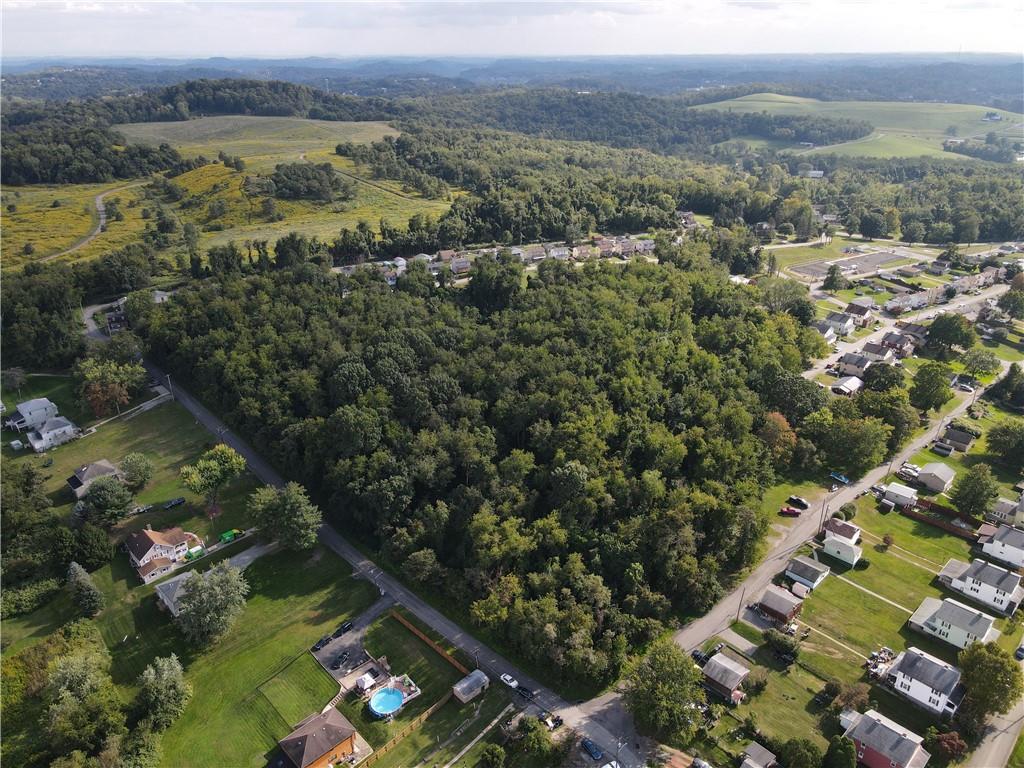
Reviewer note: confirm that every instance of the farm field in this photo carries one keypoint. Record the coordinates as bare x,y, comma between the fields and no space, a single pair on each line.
902,129
51,230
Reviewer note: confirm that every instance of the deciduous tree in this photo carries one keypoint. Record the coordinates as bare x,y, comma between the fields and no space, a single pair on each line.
163,691
108,501
661,691
210,603
992,683
931,390
975,490
286,515
214,470
1006,440
137,470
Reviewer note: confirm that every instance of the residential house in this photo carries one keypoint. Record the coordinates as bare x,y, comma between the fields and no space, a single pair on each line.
1006,545
958,438
881,742
804,570
877,353
764,230
910,270
724,675
644,246
780,604
583,252
607,248
1008,511
927,681
446,255
471,686
901,345
534,253
153,553
861,314
840,541
938,267
836,526
985,583
31,414
169,592
559,252
321,740
425,258
811,174
847,386
756,756
916,332
161,297
953,622
461,266
826,330
842,323
87,474
51,433
936,477
900,495
853,364
686,219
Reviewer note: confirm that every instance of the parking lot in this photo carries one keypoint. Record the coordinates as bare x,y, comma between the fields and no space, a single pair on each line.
853,264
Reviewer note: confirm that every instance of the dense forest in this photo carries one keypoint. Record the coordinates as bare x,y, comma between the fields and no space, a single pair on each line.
576,460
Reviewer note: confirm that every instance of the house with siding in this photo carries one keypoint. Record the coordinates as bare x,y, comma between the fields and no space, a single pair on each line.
31,414
929,682
87,474
985,583
724,675
321,740
1005,545
953,622
852,364
936,477
153,553
780,604
881,742
51,433
804,570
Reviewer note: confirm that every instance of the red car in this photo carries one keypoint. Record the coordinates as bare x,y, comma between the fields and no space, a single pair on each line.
789,512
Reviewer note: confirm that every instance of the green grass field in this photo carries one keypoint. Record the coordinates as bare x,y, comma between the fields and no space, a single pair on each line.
254,685
53,230
902,129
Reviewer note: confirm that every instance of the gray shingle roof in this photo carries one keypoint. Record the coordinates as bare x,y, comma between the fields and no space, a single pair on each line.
779,600
725,671
886,737
806,568
993,575
315,737
852,358
928,670
959,615
942,471
1010,537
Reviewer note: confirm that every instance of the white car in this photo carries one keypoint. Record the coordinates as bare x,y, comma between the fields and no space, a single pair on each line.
510,681
966,388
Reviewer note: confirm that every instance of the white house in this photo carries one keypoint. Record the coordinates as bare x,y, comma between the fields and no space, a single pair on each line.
953,622
842,323
983,582
1006,545
153,553
828,333
1008,511
900,495
841,539
927,681
804,570
853,364
559,252
51,433
861,312
31,414
936,477
848,386
877,353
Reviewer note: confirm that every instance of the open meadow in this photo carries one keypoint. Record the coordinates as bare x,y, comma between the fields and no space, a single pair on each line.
902,129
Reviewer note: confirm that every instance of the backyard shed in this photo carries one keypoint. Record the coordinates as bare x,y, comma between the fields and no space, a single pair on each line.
471,686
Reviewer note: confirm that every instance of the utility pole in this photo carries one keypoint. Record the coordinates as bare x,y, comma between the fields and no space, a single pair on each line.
169,389
739,608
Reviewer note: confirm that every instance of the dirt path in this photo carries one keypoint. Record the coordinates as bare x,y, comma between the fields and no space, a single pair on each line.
101,209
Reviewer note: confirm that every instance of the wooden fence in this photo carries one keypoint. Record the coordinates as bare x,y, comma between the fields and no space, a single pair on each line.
412,726
441,651
945,525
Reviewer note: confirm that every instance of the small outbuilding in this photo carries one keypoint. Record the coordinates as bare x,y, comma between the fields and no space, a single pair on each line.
936,477
471,686
900,495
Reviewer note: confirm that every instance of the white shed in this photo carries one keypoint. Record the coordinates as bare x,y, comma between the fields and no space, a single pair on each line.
900,495
471,686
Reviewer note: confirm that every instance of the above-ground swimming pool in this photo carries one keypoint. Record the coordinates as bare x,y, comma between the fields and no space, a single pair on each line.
386,701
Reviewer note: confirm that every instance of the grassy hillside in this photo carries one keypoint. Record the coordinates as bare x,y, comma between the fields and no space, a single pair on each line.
902,129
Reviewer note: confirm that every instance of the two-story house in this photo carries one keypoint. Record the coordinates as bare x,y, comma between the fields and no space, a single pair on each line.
51,433
984,583
804,570
841,539
861,314
901,345
878,353
153,553
1008,511
881,742
1006,545
842,323
953,622
927,681
31,414
828,333
853,364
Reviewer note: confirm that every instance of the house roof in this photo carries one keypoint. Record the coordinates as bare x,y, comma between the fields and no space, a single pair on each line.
925,668
33,404
806,568
1009,537
86,473
725,671
779,600
888,738
849,383
964,617
153,565
759,755
841,528
315,737
140,542
953,569
992,575
839,317
53,424
942,471
897,339
852,358
914,329
857,309
876,349
958,435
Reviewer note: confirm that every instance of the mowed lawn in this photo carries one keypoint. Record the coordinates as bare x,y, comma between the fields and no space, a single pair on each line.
408,655
252,687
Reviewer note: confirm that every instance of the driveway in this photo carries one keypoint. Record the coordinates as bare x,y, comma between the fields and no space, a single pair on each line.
352,641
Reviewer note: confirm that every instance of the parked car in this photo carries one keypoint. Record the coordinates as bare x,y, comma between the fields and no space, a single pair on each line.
699,656
591,749
1019,653
321,643
342,629
526,693
510,681
698,763
340,660
840,478
174,503
799,501
966,388
789,512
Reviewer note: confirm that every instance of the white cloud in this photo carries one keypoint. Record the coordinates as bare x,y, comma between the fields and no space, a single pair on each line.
504,27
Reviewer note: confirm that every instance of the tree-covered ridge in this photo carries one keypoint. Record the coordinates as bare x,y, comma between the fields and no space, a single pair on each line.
576,459
631,120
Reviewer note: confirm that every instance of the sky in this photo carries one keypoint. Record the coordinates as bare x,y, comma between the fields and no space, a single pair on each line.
176,28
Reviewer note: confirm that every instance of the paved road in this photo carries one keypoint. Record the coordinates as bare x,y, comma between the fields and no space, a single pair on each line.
101,209
997,744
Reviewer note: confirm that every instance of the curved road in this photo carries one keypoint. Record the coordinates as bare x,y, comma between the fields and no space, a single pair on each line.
101,209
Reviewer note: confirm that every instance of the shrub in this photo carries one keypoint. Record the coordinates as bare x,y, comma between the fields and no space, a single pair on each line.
781,642
756,681
21,600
